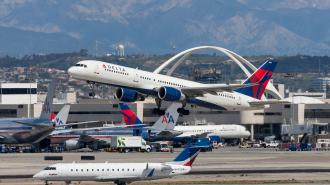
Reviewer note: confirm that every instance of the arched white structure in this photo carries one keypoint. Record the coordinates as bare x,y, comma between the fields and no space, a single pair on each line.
239,60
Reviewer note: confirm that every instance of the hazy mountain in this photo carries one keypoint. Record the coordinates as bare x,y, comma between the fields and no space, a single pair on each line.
161,26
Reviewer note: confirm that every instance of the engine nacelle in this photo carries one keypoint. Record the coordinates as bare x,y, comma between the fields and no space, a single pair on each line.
170,94
72,144
128,95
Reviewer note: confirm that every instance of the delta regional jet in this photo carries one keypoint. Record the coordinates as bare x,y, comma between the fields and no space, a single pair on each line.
135,85
119,173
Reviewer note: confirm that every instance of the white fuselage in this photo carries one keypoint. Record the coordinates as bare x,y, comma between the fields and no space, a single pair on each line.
148,83
223,131
110,171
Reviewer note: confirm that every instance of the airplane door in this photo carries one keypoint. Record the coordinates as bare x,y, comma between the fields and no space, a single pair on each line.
97,70
239,100
136,78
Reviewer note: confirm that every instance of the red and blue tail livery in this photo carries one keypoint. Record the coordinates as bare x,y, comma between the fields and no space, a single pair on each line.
187,156
259,80
129,116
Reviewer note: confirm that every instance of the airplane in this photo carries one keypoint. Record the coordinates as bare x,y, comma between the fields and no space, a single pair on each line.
134,85
162,130
32,130
223,131
119,173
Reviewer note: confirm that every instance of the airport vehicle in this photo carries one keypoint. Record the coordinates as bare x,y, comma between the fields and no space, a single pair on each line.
119,173
161,130
271,144
129,143
32,130
223,131
134,84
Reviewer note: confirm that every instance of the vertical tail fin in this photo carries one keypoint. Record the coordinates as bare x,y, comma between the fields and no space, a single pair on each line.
260,78
47,107
129,116
169,119
62,116
187,156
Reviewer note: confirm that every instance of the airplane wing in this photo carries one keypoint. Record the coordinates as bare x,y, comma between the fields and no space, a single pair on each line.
116,178
168,133
192,134
32,124
212,88
267,102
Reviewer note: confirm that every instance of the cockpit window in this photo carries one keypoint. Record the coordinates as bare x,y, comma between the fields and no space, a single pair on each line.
85,66
50,168
80,65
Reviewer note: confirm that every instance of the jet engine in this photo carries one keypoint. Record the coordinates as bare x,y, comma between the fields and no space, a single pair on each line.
170,94
128,95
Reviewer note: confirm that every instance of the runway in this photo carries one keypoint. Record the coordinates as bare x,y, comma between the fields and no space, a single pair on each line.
222,165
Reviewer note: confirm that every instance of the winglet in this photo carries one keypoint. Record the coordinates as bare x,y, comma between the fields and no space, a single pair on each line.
260,78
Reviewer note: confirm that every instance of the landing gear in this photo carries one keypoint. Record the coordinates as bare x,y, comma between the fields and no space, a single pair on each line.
46,183
158,110
92,87
68,182
183,111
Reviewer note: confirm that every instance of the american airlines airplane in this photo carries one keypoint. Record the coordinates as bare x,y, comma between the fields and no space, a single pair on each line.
223,131
119,173
33,130
134,85
162,130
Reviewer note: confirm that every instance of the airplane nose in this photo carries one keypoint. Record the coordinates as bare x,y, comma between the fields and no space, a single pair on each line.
71,70
37,175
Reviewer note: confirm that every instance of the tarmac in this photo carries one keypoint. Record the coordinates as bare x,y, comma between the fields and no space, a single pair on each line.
229,165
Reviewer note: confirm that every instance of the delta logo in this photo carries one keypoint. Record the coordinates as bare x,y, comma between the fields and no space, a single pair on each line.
167,119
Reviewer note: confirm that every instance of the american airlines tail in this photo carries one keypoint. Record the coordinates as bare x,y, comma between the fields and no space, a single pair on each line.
47,107
169,119
62,116
129,116
260,78
186,157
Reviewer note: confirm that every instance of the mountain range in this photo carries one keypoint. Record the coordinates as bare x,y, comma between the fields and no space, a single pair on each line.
248,27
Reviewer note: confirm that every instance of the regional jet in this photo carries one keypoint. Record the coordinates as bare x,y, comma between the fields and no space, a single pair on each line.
135,85
119,173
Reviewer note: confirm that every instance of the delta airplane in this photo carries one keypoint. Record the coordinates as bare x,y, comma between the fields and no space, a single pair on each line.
33,130
162,130
134,84
119,173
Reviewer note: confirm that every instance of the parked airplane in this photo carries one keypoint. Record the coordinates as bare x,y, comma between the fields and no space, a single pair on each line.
134,84
119,173
160,131
223,131
32,130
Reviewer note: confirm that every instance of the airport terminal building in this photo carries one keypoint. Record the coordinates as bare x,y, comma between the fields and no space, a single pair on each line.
302,110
